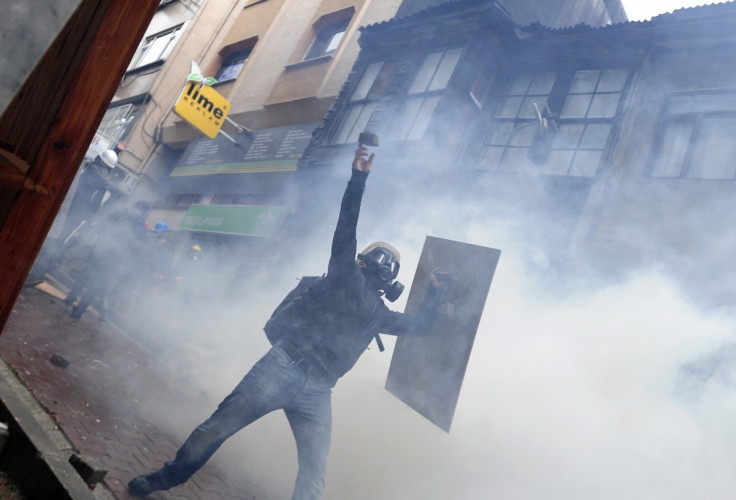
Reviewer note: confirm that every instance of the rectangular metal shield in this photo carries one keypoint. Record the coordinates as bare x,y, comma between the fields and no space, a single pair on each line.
427,373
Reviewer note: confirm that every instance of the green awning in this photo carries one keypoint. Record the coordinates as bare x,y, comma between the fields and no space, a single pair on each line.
232,219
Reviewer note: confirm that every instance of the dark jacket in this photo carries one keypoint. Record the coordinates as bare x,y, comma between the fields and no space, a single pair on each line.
335,321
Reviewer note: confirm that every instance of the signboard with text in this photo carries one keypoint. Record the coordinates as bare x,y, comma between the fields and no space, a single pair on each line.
203,107
271,150
232,219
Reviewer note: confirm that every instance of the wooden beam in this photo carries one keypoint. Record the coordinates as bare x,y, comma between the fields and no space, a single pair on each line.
51,121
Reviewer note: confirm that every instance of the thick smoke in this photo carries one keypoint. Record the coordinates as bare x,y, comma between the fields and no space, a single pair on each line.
608,390
578,386
575,397
600,380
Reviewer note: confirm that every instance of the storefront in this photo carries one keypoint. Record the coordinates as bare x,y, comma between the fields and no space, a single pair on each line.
227,196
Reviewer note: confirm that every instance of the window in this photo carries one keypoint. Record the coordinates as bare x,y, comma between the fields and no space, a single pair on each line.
529,129
328,39
156,48
424,94
462,122
695,140
232,65
118,121
416,108
585,122
178,200
363,100
516,119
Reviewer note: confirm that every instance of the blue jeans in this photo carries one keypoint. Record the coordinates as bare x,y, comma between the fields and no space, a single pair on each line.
275,382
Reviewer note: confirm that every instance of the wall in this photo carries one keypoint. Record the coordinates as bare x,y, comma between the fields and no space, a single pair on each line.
29,28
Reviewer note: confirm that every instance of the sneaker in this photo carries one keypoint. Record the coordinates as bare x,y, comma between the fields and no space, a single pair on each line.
145,485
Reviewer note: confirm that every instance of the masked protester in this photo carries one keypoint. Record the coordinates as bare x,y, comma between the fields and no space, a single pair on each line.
317,333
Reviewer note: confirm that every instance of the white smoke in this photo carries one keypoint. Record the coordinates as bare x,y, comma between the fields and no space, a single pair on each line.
571,398
569,395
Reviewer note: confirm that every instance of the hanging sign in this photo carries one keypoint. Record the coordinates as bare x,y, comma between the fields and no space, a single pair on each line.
202,106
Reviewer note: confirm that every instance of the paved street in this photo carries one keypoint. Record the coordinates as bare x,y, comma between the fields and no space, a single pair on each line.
92,397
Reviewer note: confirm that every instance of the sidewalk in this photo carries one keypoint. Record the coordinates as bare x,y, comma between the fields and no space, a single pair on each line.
85,397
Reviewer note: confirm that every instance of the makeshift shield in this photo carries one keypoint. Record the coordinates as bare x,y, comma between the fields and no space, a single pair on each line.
427,373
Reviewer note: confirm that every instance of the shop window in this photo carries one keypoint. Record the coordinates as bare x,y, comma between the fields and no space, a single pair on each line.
695,140
558,122
327,39
157,47
232,65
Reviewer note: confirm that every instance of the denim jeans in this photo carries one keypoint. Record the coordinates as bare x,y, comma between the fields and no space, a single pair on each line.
275,382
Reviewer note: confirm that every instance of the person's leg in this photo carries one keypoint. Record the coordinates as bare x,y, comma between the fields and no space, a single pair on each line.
272,382
84,279
87,297
310,417
75,291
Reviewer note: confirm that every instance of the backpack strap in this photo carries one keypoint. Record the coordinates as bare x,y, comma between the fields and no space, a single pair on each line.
380,344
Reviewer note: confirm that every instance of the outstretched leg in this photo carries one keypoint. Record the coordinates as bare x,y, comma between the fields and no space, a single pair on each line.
272,382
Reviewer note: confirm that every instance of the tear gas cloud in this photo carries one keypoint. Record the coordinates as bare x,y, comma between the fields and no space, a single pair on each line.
604,380
577,387
569,393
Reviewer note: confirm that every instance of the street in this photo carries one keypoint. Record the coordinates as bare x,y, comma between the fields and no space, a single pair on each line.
93,397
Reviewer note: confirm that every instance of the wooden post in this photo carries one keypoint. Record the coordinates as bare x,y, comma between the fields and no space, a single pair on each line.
47,127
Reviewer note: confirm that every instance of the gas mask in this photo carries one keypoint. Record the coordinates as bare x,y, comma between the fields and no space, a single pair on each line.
381,268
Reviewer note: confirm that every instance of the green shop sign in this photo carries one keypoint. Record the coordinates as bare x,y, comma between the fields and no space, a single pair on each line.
232,219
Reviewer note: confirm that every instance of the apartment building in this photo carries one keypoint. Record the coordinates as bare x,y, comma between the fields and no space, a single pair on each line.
280,64
588,152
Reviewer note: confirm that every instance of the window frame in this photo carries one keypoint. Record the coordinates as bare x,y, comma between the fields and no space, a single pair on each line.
363,101
232,60
716,107
416,103
141,59
556,140
425,92
120,118
324,38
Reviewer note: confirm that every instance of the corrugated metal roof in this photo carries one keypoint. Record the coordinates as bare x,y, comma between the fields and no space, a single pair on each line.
458,6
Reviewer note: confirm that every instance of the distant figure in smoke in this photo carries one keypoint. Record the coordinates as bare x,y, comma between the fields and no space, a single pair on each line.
91,189
110,265
318,333
163,250
187,264
187,275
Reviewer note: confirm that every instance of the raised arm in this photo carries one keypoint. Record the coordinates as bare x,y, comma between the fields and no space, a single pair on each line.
344,242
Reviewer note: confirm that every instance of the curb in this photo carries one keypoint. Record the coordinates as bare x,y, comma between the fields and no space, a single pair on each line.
37,454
